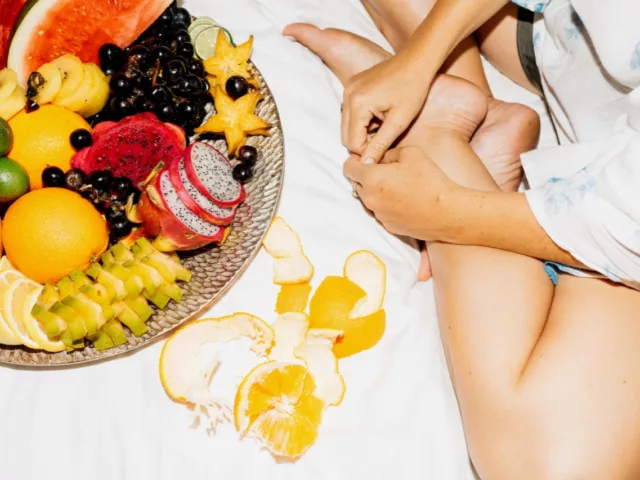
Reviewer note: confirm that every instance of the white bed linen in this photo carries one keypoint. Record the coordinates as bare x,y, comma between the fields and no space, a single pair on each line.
399,419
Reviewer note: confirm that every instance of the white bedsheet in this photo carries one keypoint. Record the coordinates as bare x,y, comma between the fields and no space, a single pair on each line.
399,419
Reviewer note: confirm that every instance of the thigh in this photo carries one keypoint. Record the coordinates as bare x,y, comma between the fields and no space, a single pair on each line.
581,388
497,40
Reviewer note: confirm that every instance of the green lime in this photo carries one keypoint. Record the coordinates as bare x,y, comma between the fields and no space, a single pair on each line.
205,42
14,180
6,137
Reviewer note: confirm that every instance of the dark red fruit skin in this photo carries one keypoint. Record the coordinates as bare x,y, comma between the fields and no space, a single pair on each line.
168,232
131,147
9,11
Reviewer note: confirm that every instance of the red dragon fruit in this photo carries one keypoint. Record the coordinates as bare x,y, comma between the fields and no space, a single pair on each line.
211,173
165,217
131,147
197,202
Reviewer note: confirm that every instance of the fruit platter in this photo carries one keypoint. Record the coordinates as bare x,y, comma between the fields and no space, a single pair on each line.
141,164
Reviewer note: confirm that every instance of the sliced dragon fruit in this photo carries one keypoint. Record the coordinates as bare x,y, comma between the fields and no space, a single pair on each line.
197,202
211,173
186,217
132,147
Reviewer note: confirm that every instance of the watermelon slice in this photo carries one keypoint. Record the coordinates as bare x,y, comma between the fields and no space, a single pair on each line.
51,28
10,10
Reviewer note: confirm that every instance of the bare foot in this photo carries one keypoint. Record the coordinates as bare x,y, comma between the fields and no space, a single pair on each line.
508,130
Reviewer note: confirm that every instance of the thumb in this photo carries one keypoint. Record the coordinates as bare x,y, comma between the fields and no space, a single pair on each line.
391,128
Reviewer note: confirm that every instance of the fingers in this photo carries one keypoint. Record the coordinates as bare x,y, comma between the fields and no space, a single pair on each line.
304,33
355,127
392,127
355,170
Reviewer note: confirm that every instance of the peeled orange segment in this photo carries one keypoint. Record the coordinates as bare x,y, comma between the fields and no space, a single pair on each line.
99,93
281,241
288,271
34,329
15,102
316,351
14,300
275,403
182,377
8,83
52,83
367,271
290,330
293,298
79,98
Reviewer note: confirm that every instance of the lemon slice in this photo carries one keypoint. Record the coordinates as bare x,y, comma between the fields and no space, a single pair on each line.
5,264
34,328
13,301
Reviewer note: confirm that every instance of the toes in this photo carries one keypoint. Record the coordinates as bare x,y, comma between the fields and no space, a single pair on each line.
308,35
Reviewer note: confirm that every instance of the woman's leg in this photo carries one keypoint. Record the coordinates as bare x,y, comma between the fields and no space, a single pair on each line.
546,380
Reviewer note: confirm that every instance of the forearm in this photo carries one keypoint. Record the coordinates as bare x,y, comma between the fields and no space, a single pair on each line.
448,24
503,221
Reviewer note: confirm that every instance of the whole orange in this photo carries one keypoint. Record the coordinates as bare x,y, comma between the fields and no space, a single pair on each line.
42,138
50,232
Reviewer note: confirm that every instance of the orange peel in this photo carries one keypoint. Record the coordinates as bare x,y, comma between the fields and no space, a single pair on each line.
367,271
290,265
290,331
293,298
186,381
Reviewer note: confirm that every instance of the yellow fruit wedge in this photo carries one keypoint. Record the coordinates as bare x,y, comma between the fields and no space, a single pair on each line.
14,300
180,373
72,71
290,330
13,103
368,272
275,403
5,264
8,83
316,351
97,97
52,84
281,241
78,99
33,328
7,335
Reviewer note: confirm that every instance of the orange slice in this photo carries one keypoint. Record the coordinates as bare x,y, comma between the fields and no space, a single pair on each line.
275,404
7,335
15,298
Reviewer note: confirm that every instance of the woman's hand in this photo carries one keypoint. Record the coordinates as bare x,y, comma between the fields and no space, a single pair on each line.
407,193
394,92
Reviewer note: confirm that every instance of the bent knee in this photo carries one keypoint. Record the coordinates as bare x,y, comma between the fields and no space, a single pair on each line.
516,452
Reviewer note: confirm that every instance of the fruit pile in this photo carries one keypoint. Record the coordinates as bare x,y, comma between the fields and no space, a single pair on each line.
281,401
157,73
95,158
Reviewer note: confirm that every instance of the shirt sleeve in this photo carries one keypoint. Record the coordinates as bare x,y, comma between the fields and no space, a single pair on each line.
537,6
594,214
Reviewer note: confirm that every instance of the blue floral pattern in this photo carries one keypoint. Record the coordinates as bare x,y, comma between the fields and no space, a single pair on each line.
560,198
537,6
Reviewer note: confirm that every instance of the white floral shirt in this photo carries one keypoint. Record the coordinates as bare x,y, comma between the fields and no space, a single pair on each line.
586,192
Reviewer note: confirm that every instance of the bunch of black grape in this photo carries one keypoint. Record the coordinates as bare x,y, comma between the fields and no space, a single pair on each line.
157,73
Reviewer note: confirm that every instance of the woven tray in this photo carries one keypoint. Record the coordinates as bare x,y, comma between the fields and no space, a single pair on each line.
214,269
